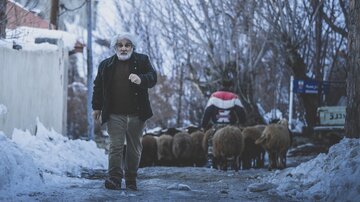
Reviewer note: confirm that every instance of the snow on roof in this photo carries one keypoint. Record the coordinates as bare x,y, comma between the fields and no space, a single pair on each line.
19,5
25,36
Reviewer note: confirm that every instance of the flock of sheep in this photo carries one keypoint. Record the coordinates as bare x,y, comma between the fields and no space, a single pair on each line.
242,147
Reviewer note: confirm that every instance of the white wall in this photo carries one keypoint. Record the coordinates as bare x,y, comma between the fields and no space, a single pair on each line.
33,84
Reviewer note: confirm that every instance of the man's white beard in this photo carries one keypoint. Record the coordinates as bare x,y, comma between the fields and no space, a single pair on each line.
123,57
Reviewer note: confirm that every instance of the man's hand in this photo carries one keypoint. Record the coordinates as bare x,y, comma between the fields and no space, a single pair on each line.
135,79
97,114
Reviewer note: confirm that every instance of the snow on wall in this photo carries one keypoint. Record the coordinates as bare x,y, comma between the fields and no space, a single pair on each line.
3,109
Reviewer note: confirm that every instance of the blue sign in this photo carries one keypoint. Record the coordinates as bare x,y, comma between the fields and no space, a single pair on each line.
306,86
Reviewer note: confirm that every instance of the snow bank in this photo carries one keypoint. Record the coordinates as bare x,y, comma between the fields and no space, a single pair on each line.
17,168
57,154
328,177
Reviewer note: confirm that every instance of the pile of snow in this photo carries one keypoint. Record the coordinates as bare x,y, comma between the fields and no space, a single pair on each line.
33,163
329,177
274,114
77,87
297,125
17,168
57,154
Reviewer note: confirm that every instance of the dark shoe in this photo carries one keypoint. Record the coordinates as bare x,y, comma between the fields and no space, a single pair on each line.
113,183
131,184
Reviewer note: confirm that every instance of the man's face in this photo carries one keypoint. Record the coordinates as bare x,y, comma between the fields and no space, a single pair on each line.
124,49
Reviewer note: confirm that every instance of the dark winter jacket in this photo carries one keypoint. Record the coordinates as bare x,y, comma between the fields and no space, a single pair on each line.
140,65
223,107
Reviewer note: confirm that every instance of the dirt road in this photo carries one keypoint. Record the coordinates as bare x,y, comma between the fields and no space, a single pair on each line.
168,184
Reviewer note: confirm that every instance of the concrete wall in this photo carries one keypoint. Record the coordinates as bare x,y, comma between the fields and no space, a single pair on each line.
33,84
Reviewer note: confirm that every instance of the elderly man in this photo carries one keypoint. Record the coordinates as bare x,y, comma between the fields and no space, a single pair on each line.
121,99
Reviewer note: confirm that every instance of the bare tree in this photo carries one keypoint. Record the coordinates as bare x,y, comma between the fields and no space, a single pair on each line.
352,123
257,43
318,12
305,44
213,33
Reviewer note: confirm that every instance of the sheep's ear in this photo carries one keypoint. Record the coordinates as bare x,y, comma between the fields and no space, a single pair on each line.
261,139
283,122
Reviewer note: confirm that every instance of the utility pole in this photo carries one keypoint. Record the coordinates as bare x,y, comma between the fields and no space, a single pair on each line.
54,14
89,71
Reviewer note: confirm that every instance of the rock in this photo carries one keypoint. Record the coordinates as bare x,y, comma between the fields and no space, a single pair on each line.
259,187
181,187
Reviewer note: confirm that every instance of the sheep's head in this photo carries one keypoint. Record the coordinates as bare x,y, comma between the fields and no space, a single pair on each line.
283,122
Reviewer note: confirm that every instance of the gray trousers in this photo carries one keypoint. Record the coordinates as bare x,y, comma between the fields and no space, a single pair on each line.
121,127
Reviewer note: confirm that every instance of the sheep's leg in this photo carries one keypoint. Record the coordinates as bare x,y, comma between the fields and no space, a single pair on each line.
282,159
214,162
261,159
236,163
221,163
246,162
224,163
272,160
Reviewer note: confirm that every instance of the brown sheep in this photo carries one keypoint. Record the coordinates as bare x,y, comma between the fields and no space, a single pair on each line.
209,134
164,150
182,149
253,154
149,151
228,142
276,141
199,155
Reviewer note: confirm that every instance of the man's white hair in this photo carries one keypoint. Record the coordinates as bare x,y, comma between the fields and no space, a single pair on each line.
124,35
